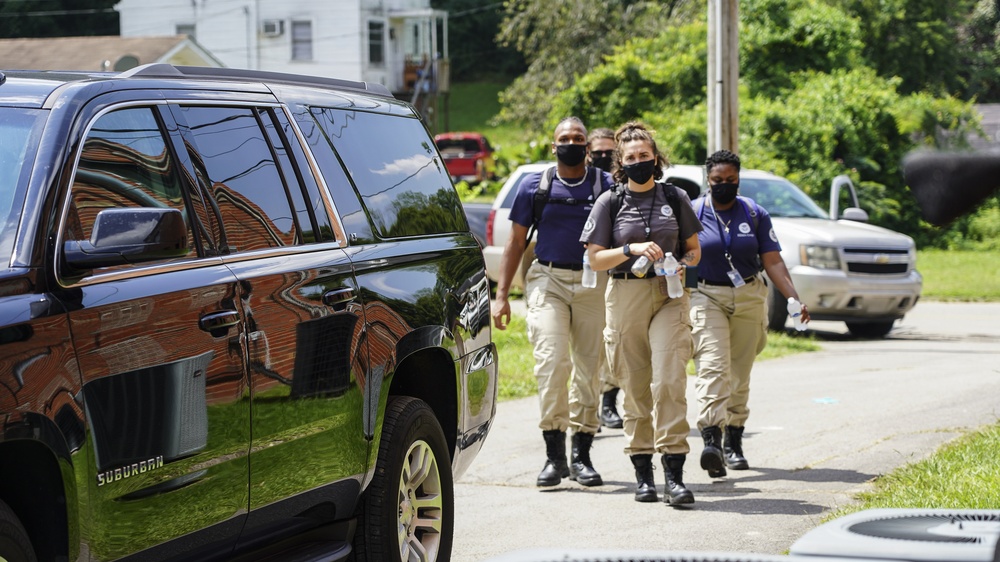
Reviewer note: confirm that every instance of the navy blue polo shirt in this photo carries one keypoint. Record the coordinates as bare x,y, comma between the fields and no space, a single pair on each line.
745,243
558,233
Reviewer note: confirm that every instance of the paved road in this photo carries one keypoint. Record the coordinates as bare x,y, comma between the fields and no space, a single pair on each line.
823,425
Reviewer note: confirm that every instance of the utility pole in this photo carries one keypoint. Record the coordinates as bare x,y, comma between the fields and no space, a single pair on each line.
723,75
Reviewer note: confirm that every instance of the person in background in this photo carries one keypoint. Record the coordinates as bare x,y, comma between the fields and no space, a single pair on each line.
729,308
565,320
602,151
648,335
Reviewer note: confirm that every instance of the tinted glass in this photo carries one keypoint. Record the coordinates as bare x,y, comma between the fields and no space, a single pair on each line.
292,180
780,198
124,163
397,172
241,169
16,126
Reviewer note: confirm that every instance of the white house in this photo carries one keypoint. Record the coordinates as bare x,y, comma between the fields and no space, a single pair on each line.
386,41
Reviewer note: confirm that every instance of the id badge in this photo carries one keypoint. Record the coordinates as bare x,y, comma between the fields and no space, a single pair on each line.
736,278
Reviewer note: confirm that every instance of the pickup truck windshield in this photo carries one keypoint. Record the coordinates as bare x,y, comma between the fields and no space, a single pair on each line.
16,153
781,198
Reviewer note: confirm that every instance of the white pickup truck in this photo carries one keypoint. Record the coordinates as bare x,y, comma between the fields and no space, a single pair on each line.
843,268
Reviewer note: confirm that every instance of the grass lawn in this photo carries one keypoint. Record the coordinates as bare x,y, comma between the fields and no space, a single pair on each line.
960,275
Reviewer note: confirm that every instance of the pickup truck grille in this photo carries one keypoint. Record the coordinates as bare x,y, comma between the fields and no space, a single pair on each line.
877,261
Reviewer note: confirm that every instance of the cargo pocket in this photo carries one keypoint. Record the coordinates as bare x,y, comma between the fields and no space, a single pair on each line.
535,287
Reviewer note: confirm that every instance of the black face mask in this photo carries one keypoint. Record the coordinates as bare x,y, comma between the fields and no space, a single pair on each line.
725,193
601,160
640,172
571,154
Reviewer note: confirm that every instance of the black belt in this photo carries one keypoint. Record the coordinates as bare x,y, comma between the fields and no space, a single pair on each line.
625,275
727,282
570,266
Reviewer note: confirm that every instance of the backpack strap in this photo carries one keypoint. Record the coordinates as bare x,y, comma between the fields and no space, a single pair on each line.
544,195
752,209
541,198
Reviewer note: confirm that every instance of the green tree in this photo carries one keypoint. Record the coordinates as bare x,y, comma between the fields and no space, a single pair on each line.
981,39
474,53
916,40
57,18
561,39
810,109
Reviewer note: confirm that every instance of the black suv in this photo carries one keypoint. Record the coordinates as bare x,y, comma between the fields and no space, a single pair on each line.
241,317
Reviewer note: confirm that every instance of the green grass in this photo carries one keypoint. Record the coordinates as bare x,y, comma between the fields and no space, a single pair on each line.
960,275
962,474
472,106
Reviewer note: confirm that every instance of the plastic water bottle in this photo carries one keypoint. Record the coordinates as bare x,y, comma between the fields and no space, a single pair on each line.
641,266
795,311
589,275
671,269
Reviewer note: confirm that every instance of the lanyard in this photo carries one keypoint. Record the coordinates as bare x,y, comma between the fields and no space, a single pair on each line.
638,209
723,230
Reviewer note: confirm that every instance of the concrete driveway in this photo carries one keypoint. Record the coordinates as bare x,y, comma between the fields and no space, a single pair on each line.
823,426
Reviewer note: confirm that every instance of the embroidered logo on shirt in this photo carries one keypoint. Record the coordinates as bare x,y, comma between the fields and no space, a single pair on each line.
774,237
589,225
744,228
666,211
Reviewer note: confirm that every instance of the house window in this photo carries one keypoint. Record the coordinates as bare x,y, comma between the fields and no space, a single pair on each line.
185,29
376,42
302,40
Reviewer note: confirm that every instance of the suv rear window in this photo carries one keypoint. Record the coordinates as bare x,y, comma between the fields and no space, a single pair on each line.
16,126
407,191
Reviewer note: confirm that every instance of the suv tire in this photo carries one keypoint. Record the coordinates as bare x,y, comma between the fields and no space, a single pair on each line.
872,330
15,546
410,502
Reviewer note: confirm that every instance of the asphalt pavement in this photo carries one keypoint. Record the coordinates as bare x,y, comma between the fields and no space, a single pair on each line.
822,426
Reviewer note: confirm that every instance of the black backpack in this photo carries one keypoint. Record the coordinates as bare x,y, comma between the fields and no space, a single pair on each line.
544,196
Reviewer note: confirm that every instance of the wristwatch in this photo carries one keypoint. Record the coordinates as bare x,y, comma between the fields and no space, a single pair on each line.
626,250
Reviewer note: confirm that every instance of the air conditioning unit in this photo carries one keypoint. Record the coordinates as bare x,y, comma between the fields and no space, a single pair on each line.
914,535
272,28
623,555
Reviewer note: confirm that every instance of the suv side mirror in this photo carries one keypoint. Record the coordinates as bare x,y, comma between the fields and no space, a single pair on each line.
854,212
134,235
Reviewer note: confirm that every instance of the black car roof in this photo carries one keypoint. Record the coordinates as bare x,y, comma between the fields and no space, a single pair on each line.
30,88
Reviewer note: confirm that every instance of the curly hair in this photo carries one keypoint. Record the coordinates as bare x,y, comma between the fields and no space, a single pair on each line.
633,131
721,157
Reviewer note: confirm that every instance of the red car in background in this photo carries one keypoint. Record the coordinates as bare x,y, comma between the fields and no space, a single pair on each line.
468,156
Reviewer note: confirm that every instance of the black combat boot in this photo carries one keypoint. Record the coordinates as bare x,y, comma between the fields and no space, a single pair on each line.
711,455
555,468
609,410
674,492
734,448
581,469
646,490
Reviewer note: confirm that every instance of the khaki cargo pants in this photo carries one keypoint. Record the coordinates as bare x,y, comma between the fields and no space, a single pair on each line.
565,324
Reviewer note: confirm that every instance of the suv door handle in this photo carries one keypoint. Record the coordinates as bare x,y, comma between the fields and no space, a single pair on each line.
338,298
216,323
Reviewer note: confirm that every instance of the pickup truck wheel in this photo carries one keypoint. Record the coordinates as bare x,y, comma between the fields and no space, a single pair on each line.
408,509
15,546
870,329
777,311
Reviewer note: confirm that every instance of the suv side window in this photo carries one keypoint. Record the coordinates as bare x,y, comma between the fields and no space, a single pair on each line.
407,191
253,200
125,162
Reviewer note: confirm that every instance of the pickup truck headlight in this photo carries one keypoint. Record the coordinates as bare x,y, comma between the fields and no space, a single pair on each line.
820,257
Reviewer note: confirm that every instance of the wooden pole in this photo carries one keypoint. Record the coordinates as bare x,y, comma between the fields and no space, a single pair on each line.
723,75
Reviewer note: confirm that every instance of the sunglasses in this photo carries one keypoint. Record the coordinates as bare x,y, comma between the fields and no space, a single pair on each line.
602,153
